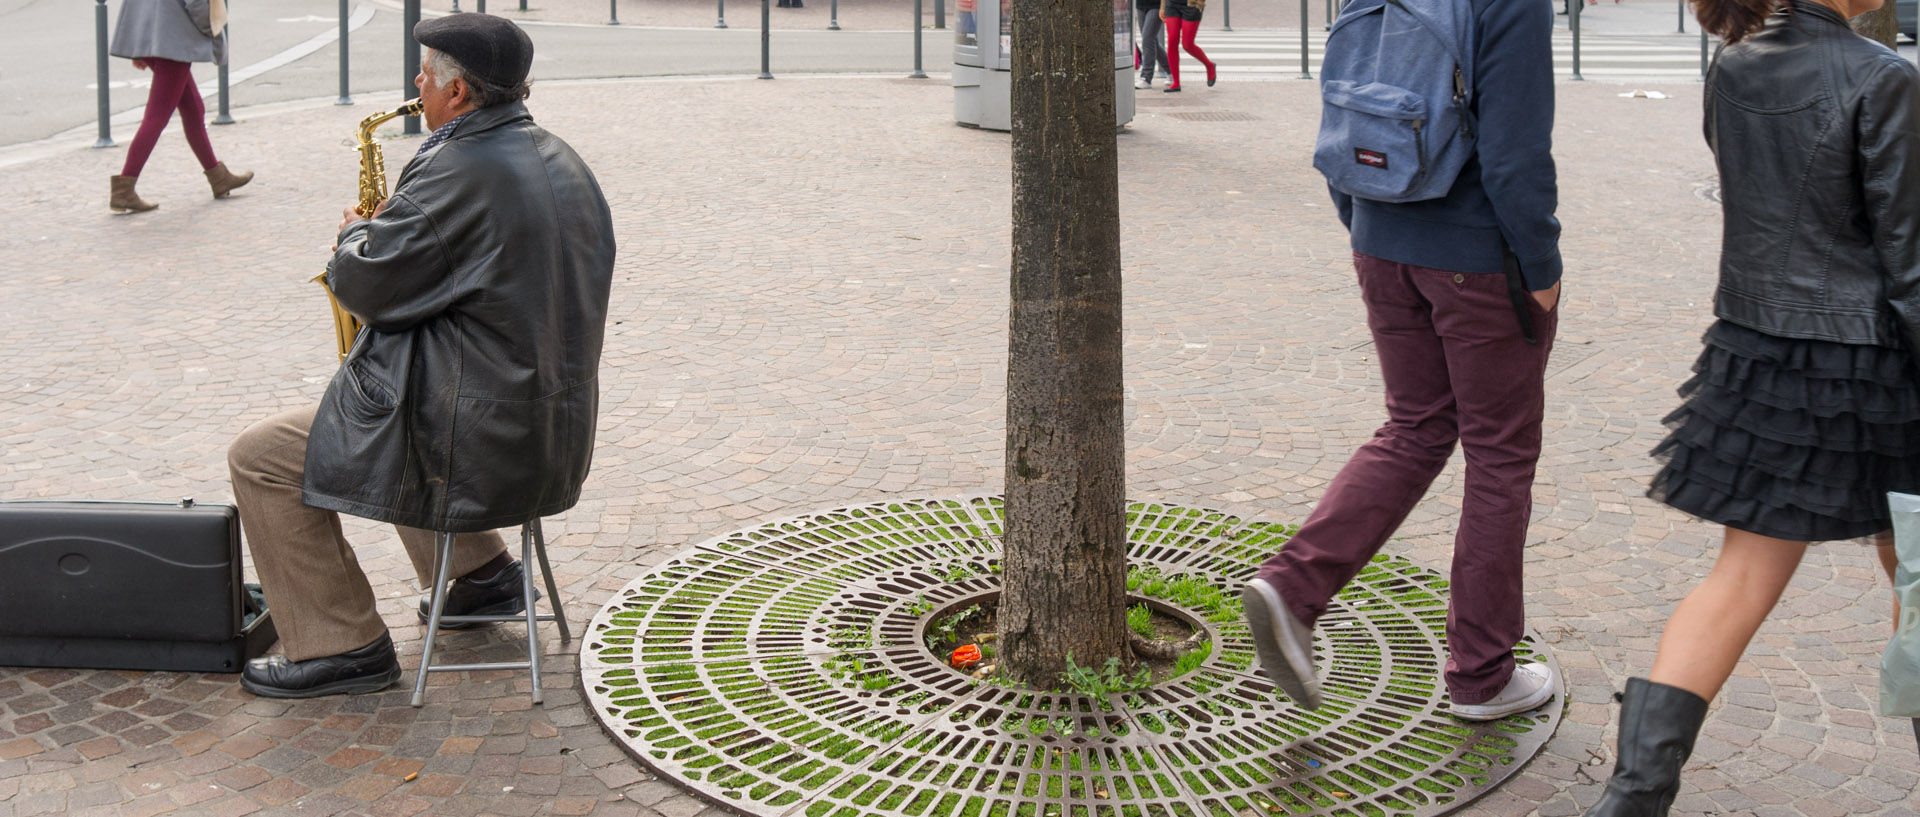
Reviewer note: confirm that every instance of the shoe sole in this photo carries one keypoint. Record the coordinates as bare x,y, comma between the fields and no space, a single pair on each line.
511,607
1527,704
347,686
1262,606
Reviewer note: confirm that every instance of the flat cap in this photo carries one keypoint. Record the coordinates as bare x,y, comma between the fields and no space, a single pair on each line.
492,48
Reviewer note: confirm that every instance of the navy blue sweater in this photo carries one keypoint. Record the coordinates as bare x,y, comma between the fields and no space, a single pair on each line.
1506,194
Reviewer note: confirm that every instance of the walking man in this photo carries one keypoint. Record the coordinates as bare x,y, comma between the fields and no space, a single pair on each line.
1461,293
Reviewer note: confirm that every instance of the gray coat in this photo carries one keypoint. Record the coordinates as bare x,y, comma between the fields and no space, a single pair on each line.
178,30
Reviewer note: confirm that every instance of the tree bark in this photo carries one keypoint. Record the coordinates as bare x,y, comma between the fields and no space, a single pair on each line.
1882,24
1065,541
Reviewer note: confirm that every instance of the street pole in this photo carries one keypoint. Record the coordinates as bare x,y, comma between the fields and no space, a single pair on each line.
723,15
1703,55
225,118
100,73
346,98
918,15
1574,21
833,16
1682,7
409,59
613,13
1226,13
766,39
1304,73
940,14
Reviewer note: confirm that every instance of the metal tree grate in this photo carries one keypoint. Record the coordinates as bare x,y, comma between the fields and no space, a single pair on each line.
781,670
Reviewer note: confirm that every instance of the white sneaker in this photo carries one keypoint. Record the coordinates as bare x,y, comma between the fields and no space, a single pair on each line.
1532,684
1141,82
1284,645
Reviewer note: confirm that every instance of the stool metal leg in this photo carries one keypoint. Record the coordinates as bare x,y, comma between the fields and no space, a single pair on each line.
527,534
553,591
442,562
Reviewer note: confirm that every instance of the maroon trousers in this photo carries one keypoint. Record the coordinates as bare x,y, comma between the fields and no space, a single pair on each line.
172,90
1455,367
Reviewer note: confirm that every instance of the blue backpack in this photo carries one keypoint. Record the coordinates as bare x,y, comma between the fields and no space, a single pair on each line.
1396,115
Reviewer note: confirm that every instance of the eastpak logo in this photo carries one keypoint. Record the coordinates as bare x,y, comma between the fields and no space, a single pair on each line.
1370,158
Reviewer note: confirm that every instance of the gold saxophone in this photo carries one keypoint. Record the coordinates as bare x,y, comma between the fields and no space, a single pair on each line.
373,188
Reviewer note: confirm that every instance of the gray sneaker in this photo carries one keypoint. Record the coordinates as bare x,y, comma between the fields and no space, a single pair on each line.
1285,646
1531,685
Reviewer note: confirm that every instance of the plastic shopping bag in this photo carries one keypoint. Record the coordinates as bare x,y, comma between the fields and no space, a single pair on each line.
1900,666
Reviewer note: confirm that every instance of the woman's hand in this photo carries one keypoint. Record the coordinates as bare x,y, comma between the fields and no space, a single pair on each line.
140,64
1548,297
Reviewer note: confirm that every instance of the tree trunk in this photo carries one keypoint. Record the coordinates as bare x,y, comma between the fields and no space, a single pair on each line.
1065,566
1882,24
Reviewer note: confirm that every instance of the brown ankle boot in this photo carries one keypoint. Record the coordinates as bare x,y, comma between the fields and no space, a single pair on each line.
224,181
124,200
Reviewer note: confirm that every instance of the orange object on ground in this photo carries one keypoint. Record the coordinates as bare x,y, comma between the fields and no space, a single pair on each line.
965,657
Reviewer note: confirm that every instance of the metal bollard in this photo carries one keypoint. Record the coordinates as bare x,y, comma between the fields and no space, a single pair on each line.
1703,55
833,16
1573,20
100,73
481,6
1226,14
1304,73
346,98
409,59
523,5
613,12
723,15
456,6
766,40
940,14
225,118
918,12
1682,6
1329,26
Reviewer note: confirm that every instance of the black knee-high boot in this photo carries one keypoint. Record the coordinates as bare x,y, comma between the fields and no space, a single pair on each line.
1658,724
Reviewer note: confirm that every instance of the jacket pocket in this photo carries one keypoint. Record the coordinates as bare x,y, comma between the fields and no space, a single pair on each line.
366,399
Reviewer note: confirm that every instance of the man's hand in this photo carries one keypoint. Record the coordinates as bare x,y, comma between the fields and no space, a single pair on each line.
353,214
1546,298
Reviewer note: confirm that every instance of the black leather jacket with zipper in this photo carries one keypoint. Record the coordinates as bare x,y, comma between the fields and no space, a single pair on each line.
1816,131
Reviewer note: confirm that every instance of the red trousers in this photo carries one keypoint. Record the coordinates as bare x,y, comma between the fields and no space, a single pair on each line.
1455,368
1180,33
173,89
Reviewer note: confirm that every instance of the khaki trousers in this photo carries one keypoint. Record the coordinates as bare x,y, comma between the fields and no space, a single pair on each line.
322,604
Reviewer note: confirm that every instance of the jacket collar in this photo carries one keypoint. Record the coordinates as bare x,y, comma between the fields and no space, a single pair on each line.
1818,10
485,119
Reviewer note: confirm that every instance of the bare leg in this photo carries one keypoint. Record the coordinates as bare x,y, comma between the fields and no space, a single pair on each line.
1711,628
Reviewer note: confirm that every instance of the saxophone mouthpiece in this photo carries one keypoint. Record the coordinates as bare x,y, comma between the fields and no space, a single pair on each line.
411,107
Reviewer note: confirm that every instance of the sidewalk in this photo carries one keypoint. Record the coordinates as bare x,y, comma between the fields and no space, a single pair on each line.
810,311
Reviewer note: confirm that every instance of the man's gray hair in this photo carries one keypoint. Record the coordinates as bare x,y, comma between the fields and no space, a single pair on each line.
485,94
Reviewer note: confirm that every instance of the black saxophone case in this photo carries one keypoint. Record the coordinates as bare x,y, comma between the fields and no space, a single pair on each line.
126,585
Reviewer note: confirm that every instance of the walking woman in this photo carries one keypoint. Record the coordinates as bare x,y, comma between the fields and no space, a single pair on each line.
1804,409
1183,21
165,37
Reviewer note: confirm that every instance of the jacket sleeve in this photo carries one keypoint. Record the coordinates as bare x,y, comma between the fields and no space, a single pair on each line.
394,271
1889,133
201,14
1513,92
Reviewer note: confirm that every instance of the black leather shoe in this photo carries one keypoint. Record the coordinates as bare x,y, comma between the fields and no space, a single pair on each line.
498,596
369,669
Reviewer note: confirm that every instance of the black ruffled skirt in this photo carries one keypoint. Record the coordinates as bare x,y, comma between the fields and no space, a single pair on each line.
1793,439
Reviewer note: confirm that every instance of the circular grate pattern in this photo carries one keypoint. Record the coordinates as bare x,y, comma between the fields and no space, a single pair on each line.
781,670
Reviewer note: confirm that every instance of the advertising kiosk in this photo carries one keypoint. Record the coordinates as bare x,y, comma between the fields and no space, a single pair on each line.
983,63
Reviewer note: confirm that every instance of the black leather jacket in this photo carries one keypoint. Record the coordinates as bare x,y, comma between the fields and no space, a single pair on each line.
1816,131
468,403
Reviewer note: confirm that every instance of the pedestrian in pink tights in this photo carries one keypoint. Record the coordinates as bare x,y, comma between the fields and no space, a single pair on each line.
166,37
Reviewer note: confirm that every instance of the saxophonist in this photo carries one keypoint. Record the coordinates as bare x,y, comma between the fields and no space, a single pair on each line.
468,401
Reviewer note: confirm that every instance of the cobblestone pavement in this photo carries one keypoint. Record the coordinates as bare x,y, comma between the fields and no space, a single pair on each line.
810,311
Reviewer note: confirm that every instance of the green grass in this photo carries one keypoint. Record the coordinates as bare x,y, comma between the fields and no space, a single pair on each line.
1140,620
